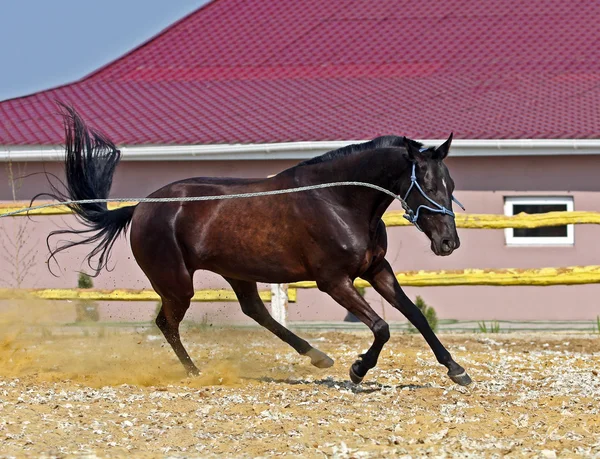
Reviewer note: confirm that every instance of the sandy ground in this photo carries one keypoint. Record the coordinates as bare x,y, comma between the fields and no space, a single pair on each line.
110,393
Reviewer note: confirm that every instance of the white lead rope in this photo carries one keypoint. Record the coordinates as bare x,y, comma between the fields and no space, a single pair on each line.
213,198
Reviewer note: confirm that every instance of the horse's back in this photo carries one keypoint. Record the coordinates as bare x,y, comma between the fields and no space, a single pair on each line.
192,185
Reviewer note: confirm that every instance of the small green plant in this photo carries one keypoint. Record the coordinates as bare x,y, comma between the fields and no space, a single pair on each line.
494,327
86,311
84,281
598,324
429,314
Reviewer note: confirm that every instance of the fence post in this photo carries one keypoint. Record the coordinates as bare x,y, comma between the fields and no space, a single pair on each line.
279,303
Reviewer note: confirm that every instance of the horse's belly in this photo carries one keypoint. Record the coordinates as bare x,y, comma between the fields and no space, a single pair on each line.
261,256
270,267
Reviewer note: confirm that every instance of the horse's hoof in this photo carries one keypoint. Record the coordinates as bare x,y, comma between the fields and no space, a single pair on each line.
193,373
354,377
462,379
319,359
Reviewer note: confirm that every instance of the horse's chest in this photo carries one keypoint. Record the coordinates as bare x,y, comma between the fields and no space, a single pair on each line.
373,249
357,253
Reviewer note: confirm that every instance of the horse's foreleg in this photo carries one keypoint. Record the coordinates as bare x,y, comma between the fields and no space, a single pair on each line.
383,280
345,294
254,308
170,316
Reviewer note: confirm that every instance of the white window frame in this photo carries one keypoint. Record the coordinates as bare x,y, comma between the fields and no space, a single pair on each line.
511,240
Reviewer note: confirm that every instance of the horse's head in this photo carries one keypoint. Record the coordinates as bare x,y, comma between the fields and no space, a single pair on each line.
429,196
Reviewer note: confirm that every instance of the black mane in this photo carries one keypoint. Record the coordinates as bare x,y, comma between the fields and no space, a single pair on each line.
378,142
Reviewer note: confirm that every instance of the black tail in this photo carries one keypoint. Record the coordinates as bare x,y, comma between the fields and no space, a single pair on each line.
90,162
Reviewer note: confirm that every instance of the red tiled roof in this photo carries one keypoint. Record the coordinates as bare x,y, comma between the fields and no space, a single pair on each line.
285,70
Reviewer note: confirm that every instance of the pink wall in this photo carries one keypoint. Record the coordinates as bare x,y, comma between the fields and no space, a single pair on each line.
482,184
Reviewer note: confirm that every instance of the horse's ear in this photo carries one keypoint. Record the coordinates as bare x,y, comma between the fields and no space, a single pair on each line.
442,151
411,150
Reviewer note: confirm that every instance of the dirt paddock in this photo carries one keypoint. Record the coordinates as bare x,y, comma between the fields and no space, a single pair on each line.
110,393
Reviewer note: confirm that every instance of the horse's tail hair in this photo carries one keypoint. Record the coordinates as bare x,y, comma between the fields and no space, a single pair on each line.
90,162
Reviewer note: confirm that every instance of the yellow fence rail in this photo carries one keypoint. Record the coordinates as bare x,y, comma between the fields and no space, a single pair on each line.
395,218
522,220
6,207
208,295
501,277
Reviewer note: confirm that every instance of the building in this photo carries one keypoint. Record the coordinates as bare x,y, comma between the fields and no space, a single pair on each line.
249,88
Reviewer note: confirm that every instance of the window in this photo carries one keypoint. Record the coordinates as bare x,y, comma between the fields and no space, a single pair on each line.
549,235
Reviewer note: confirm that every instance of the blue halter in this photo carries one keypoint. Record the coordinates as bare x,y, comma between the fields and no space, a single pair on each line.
412,216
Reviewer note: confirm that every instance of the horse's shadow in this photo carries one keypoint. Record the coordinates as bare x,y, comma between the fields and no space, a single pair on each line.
365,388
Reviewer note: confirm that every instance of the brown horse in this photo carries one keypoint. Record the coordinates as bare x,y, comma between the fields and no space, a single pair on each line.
331,235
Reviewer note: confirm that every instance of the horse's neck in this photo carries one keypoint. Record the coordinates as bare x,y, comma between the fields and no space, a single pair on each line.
377,167
381,168
389,173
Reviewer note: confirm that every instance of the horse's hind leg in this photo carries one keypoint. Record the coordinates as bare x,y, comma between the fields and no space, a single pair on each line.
159,254
170,316
254,307
173,282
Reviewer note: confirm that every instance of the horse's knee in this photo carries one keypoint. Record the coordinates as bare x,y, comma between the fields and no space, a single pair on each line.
381,330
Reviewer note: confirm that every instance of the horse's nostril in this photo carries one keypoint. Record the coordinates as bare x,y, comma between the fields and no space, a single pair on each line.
447,245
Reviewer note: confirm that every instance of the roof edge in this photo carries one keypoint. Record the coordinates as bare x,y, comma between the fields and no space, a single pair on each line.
306,150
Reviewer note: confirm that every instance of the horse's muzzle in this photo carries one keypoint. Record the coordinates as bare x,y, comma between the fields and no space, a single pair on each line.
445,246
